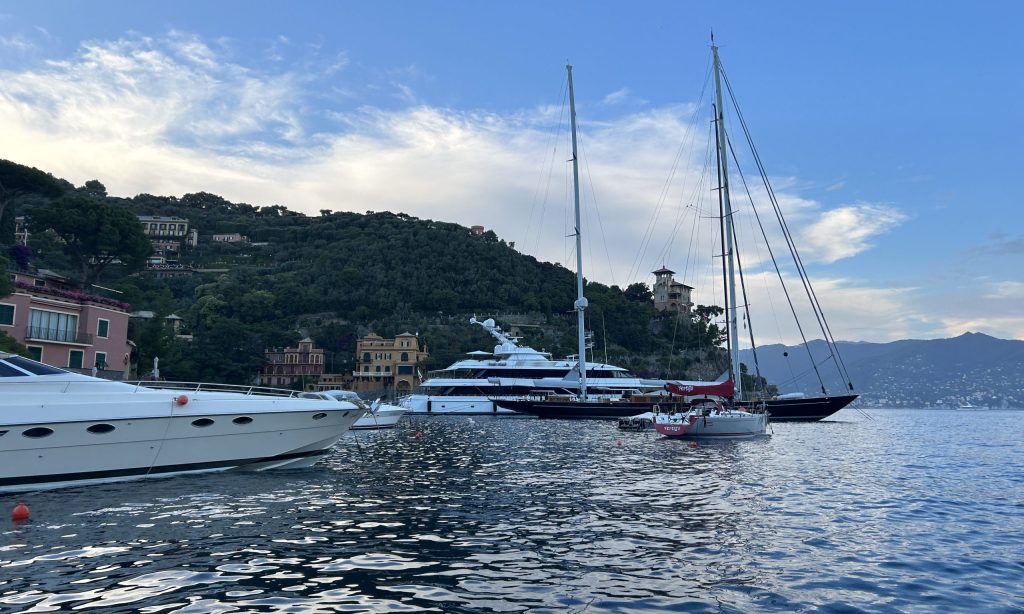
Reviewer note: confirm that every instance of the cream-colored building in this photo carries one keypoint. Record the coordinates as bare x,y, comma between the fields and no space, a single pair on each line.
670,294
388,363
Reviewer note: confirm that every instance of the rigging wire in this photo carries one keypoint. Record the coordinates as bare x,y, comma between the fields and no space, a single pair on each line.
634,269
556,133
782,282
597,209
808,289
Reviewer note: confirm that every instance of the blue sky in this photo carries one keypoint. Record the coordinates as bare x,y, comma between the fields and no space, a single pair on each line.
890,130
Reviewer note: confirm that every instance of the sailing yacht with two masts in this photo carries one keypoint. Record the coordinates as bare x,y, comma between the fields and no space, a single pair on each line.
787,407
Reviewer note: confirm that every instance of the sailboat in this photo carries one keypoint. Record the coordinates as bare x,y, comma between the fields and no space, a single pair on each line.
585,403
546,404
787,407
715,418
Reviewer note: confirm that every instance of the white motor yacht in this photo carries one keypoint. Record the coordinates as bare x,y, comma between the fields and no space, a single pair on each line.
512,371
59,428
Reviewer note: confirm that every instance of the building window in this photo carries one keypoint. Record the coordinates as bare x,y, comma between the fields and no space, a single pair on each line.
103,328
52,326
101,360
40,283
35,352
7,315
405,356
377,368
75,359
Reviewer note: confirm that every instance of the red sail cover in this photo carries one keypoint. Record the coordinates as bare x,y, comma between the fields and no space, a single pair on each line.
689,389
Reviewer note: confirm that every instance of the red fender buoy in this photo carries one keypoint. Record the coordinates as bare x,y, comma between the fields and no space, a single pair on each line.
20,513
181,400
693,444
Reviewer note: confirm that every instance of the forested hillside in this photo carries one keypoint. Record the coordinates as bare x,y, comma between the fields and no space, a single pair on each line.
336,276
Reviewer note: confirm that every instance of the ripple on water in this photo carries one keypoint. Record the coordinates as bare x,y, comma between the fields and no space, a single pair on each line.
883,514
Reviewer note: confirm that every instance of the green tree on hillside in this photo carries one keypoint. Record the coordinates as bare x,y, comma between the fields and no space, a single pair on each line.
94,233
20,183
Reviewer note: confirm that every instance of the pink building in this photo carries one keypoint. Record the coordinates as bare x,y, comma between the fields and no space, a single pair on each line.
285,367
64,327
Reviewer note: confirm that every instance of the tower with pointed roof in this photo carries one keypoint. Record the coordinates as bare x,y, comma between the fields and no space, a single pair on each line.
669,294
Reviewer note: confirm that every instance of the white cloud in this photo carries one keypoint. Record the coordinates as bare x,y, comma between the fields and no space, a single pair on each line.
171,116
848,230
1006,290
16,43
617,97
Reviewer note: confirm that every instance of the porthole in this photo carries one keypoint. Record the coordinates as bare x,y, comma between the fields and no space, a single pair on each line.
38,432
242,420
319,416
99,429
202,422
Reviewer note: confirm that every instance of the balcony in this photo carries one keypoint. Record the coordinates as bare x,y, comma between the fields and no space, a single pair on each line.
39,333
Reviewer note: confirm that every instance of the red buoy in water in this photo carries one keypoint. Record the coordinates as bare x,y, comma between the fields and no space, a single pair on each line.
418,434
20,513
619,443
693,444
181,400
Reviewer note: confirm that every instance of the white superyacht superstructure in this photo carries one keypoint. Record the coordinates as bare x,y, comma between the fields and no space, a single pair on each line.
511,371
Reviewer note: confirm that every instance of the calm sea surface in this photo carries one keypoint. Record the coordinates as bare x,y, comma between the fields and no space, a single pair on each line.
886,510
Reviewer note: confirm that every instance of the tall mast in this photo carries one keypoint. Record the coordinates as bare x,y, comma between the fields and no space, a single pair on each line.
581,301
723,166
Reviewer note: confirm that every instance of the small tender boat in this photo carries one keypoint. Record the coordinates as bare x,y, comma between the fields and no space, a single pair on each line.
65,429
378,415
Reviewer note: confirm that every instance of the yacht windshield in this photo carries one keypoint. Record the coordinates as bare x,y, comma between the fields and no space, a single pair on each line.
33,367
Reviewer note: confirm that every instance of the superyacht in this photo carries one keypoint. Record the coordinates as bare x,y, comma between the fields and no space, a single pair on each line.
512,371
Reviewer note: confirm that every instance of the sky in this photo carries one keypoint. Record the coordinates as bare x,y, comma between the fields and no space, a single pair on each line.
890,130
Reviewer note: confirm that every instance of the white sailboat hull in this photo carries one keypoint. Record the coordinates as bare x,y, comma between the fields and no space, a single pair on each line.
729,424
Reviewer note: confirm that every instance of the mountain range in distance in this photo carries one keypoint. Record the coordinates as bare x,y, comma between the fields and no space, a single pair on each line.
938,373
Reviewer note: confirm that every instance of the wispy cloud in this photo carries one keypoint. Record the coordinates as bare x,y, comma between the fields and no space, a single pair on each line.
847,231
1006,290
617,97
173,114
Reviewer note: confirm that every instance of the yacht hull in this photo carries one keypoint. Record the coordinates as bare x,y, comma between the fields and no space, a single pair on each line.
809,409
148,447
576,410
731,425
419,404
383,418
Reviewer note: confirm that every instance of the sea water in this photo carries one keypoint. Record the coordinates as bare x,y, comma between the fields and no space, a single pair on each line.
873,510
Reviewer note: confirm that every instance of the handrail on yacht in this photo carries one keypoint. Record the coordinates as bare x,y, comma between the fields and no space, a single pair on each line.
213,387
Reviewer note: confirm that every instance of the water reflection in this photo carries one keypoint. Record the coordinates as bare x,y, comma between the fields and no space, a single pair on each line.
517,515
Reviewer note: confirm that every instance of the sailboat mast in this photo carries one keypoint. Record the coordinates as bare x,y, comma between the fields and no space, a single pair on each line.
730,309
581,301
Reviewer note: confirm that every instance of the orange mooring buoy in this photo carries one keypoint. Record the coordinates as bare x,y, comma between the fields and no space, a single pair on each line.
181,400
20,513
